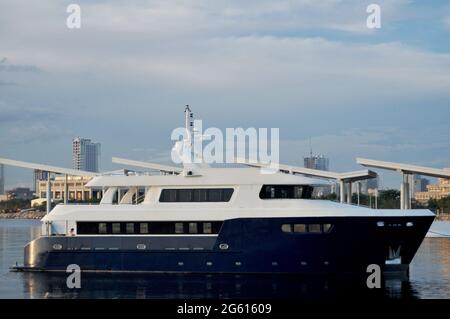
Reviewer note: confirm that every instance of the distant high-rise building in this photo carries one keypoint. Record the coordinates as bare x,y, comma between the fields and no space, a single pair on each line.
417,183
2,180
366,187
86,154
319,162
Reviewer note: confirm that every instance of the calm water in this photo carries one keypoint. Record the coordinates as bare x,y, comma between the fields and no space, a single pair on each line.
429,278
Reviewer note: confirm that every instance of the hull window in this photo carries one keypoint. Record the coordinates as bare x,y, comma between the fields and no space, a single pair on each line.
314,228
130,228
179,229
299,228
207,228
102,228
116,228
193,228
169,228
306,228
143,228
286,228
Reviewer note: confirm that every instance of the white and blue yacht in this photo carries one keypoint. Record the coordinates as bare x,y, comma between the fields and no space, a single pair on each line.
222,220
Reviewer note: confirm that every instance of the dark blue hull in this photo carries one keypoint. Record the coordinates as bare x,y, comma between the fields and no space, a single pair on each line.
253,245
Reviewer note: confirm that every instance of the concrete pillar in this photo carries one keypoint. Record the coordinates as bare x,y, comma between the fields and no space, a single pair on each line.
341,191
349,194
49,192
404,192
66,189
358,190
376,198
407,194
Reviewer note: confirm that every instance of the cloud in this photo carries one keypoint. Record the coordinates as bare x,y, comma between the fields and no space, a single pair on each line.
308,67
6,67
8,83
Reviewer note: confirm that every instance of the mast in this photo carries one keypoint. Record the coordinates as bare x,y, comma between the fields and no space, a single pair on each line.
189,123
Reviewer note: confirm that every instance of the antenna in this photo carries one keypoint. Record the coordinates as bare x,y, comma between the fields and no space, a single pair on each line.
310,148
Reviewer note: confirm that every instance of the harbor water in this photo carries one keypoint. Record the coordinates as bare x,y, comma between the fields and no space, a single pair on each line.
429,278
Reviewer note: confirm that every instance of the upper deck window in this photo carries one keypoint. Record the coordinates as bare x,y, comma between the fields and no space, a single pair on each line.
196,195
285,191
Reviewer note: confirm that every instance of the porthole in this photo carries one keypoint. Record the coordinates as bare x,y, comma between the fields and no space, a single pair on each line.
223,246
57,246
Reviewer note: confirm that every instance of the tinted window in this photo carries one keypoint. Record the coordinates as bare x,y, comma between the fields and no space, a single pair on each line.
190,227
130,228
200,195
207,228
306,228
285,191
116,228
286,228
179,228
196,195
193,228
299,228
327,228
314,228
102,228
184,195
143,228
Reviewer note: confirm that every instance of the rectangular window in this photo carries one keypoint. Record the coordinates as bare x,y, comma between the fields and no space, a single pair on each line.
314,228
157,227
214,195
193,228
285,191
196,195
179,228
143,228
184,195
116,228
200,195
300,228
130,228
168,195
286,228
102,229
207,228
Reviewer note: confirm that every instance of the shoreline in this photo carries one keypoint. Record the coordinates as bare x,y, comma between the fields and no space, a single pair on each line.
23,215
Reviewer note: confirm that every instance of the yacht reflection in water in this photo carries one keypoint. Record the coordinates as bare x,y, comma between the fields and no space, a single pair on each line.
212,286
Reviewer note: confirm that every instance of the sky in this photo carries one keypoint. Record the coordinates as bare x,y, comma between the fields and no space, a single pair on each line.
310,68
